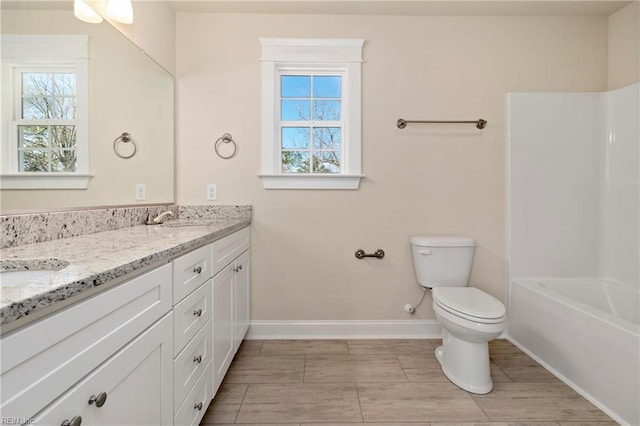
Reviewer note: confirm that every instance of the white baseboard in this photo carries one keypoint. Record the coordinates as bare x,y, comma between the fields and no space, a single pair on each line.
374,329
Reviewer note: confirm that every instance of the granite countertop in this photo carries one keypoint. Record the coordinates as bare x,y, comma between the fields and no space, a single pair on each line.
98,259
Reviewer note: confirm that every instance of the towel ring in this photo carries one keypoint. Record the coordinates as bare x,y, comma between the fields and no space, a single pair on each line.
126,138
226,138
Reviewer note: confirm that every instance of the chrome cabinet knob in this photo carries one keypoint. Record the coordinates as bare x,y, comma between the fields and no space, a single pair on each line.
75,421
198,406
240,267
197,312
198,270
197,359
98,400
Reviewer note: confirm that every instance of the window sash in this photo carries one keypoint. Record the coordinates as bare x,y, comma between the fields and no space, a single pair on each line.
311,72
49,150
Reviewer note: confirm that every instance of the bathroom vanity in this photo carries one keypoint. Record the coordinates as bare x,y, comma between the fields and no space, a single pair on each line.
150,346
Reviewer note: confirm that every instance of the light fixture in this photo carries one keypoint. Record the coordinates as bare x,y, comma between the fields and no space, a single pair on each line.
84,12
120,10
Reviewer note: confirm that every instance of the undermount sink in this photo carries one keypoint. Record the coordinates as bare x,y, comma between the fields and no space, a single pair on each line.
17,272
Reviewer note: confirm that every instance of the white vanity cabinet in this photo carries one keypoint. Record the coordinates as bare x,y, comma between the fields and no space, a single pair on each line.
231,299
152,350
112,345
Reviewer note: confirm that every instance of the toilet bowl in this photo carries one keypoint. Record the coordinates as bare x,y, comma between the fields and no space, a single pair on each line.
470,318
464,354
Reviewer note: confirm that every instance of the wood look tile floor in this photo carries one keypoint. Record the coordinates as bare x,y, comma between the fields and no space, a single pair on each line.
387,383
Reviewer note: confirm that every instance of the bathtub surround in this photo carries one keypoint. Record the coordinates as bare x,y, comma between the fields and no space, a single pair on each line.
574,185
573,220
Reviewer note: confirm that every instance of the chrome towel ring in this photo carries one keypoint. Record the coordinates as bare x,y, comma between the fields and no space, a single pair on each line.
125,138
226,138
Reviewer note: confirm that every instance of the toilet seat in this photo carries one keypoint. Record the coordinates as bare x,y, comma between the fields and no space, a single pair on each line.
470,303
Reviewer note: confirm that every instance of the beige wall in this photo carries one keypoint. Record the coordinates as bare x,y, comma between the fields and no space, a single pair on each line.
424,179
624,46
128,92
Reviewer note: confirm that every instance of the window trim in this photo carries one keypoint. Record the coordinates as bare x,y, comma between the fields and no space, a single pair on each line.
314,55
46,52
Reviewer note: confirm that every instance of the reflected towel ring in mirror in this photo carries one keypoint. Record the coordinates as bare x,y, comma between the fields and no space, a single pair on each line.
126,138
226,138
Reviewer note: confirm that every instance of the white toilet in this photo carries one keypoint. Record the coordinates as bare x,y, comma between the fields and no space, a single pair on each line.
470,318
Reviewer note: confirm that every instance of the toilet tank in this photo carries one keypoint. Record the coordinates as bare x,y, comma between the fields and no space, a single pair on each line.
442,260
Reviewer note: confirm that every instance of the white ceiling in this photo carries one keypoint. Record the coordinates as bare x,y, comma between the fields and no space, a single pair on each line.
373,7
406,7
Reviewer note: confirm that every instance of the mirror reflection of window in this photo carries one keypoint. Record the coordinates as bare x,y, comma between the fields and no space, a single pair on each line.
46,126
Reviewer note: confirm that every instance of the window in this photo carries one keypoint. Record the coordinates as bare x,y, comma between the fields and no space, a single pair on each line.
46,122
311,113
45,133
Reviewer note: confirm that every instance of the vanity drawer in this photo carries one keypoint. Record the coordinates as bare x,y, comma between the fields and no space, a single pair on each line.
190,271
50,356
228,248
195,404
190,363
190,315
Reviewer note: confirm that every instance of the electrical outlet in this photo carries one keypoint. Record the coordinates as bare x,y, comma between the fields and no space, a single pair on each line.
141,192
211,191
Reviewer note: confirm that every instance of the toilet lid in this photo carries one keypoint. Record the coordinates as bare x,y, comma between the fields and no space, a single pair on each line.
469,301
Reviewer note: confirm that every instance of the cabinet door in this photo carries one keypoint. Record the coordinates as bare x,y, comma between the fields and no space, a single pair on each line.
223,341
137,381
242,297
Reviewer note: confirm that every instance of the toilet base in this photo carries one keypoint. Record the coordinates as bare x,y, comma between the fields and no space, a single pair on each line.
466,364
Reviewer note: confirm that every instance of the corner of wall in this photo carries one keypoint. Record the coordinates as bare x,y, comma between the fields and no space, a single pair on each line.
624,47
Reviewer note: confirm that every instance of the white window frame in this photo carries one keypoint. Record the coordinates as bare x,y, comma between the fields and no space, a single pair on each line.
46,53
343,57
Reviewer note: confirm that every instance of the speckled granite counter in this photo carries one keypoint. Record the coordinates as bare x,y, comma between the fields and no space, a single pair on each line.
100,259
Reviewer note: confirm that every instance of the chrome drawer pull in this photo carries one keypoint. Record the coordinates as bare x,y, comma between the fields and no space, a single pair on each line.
198,270
197,312
98,400
197,359
198,406
75,421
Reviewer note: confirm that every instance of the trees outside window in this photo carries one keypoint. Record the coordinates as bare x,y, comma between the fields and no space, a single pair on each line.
46,128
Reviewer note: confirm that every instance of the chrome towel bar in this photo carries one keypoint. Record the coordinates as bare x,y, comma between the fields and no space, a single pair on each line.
480,123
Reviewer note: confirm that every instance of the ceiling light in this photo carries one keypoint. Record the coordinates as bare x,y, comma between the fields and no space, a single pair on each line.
84,12
120,11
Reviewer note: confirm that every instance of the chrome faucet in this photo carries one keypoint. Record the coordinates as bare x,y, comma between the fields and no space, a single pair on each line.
158,219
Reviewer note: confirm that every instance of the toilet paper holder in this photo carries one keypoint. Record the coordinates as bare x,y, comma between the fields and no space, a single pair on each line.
360,254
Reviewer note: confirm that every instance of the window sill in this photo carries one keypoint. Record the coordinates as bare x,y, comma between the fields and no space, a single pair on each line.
309,181
44,181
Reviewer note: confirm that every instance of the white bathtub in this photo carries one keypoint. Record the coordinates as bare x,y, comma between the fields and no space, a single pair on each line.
587,333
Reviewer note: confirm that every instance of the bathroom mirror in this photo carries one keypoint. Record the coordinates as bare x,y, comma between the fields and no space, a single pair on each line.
128,92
